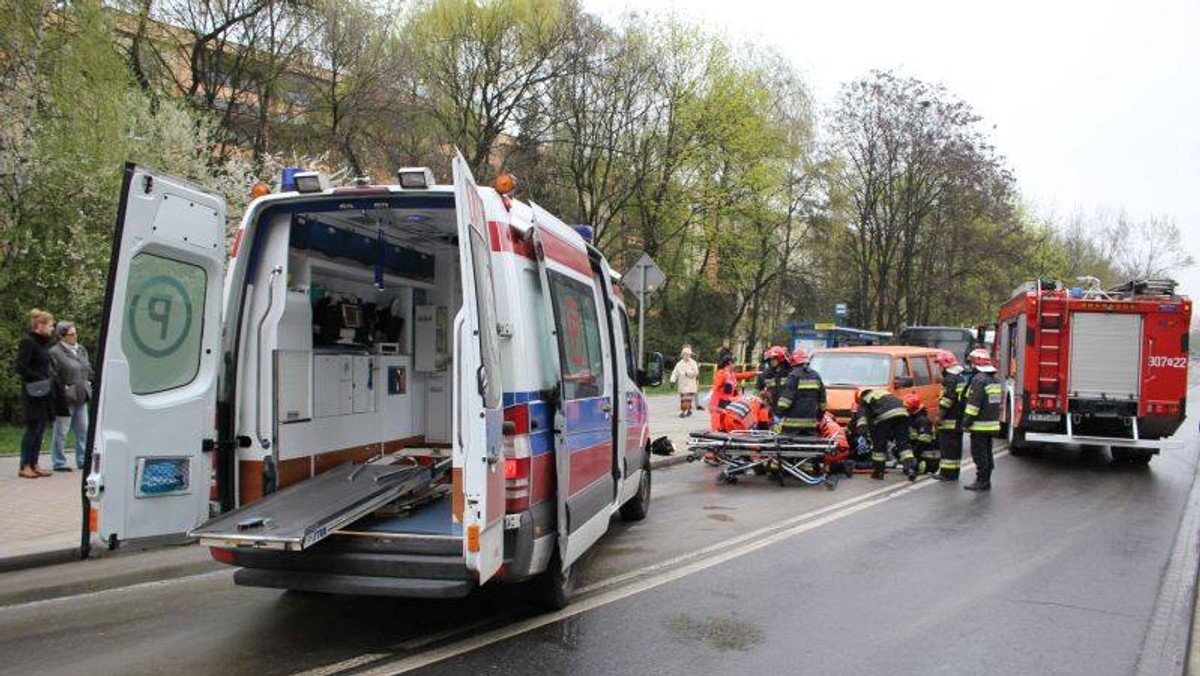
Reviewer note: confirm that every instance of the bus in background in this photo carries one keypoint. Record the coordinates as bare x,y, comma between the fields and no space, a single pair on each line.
956,339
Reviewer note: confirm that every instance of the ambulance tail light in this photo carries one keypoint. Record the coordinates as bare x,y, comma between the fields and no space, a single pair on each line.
93,520
516,420
223,555
516,484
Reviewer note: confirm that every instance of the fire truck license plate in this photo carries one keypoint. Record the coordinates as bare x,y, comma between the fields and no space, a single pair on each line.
1044,417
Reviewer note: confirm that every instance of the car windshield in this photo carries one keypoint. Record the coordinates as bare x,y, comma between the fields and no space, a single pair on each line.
852,369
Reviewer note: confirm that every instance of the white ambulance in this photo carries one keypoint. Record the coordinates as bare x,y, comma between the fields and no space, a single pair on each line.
404,390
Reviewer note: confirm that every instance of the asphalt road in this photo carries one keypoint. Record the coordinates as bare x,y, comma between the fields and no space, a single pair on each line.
1057,571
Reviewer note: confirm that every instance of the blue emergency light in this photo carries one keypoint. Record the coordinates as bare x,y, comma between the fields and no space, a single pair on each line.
585,231
287,181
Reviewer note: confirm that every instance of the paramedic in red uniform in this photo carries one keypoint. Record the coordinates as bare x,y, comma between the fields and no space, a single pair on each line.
724,389
835,459
981,417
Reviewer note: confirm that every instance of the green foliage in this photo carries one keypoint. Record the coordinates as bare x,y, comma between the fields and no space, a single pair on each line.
665,137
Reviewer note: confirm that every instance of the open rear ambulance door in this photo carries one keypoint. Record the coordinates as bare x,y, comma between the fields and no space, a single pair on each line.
583,430
478,408
157,360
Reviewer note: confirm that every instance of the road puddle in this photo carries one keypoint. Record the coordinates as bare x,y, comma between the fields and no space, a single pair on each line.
721,633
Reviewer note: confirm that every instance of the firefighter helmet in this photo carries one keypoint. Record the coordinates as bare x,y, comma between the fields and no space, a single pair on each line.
946,359
981,360
799,356
775,352
912,402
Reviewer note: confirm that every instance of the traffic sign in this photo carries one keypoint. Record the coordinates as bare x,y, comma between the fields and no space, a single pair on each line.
644,276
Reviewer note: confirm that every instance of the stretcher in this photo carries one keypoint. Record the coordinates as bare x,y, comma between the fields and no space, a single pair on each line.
805,458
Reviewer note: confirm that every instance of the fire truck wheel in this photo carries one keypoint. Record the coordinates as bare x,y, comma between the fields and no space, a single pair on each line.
637,507
1017,446
555,588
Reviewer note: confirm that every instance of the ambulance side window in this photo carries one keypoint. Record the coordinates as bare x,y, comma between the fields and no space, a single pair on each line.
579,346
163,323
629,365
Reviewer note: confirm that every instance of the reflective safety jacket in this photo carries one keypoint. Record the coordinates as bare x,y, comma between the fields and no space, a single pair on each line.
877,406
725,386
745,413
981,413
920,432
771,381
950,406
801,402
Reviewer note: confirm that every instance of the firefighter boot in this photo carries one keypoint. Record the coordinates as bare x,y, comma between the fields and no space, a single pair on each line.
978,486
877,472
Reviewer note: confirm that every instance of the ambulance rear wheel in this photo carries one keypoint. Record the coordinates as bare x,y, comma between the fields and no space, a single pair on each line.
1131,456
638,506
555,588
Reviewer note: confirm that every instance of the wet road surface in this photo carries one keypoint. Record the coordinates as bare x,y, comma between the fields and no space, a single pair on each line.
1056,571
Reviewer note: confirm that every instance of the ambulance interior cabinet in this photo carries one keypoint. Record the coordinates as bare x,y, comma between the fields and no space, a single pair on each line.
437,408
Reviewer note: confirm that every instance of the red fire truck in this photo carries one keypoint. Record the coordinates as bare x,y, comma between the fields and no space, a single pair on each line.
1089,366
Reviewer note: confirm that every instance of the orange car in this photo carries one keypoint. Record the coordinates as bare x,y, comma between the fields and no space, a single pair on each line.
899,368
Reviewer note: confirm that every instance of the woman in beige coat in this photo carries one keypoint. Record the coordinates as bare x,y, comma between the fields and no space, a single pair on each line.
686,377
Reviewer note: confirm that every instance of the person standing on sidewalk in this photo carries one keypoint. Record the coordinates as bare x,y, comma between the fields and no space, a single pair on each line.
686,376
35,369
73,375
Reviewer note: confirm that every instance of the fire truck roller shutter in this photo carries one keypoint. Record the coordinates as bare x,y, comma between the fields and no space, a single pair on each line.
1102,363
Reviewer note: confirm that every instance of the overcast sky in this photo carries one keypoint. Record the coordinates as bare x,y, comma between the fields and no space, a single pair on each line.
1096,104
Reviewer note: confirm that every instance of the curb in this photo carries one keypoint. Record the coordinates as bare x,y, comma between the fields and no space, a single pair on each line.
662,462
38,559
116,580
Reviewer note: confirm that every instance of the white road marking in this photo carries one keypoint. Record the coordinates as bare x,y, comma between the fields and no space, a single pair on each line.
826,516
75,598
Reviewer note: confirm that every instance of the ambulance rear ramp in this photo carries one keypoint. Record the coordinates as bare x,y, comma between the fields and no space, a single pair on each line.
299,516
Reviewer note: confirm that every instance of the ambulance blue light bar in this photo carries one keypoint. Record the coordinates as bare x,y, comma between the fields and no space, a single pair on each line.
585,231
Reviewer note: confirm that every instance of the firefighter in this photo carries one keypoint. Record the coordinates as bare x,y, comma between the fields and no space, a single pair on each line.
981,416
774,374
801,402
950,407
881,414
920,434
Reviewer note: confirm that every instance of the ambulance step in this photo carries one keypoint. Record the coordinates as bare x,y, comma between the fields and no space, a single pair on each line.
299,516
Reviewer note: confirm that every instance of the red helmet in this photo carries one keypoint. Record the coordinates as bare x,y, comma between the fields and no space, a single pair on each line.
775,352
799,356
979,358
946,359
912,402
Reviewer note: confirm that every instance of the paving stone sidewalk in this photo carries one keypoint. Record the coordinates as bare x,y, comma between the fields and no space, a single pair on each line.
37,516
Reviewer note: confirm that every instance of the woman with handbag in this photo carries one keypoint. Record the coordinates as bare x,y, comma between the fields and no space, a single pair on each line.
37,390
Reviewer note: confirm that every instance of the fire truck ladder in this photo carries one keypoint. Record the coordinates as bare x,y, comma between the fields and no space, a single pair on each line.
1051,321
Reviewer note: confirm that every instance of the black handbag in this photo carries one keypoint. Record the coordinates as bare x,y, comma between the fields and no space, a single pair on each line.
38,388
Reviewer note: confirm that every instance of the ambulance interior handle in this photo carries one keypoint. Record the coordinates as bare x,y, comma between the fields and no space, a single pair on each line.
263,439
